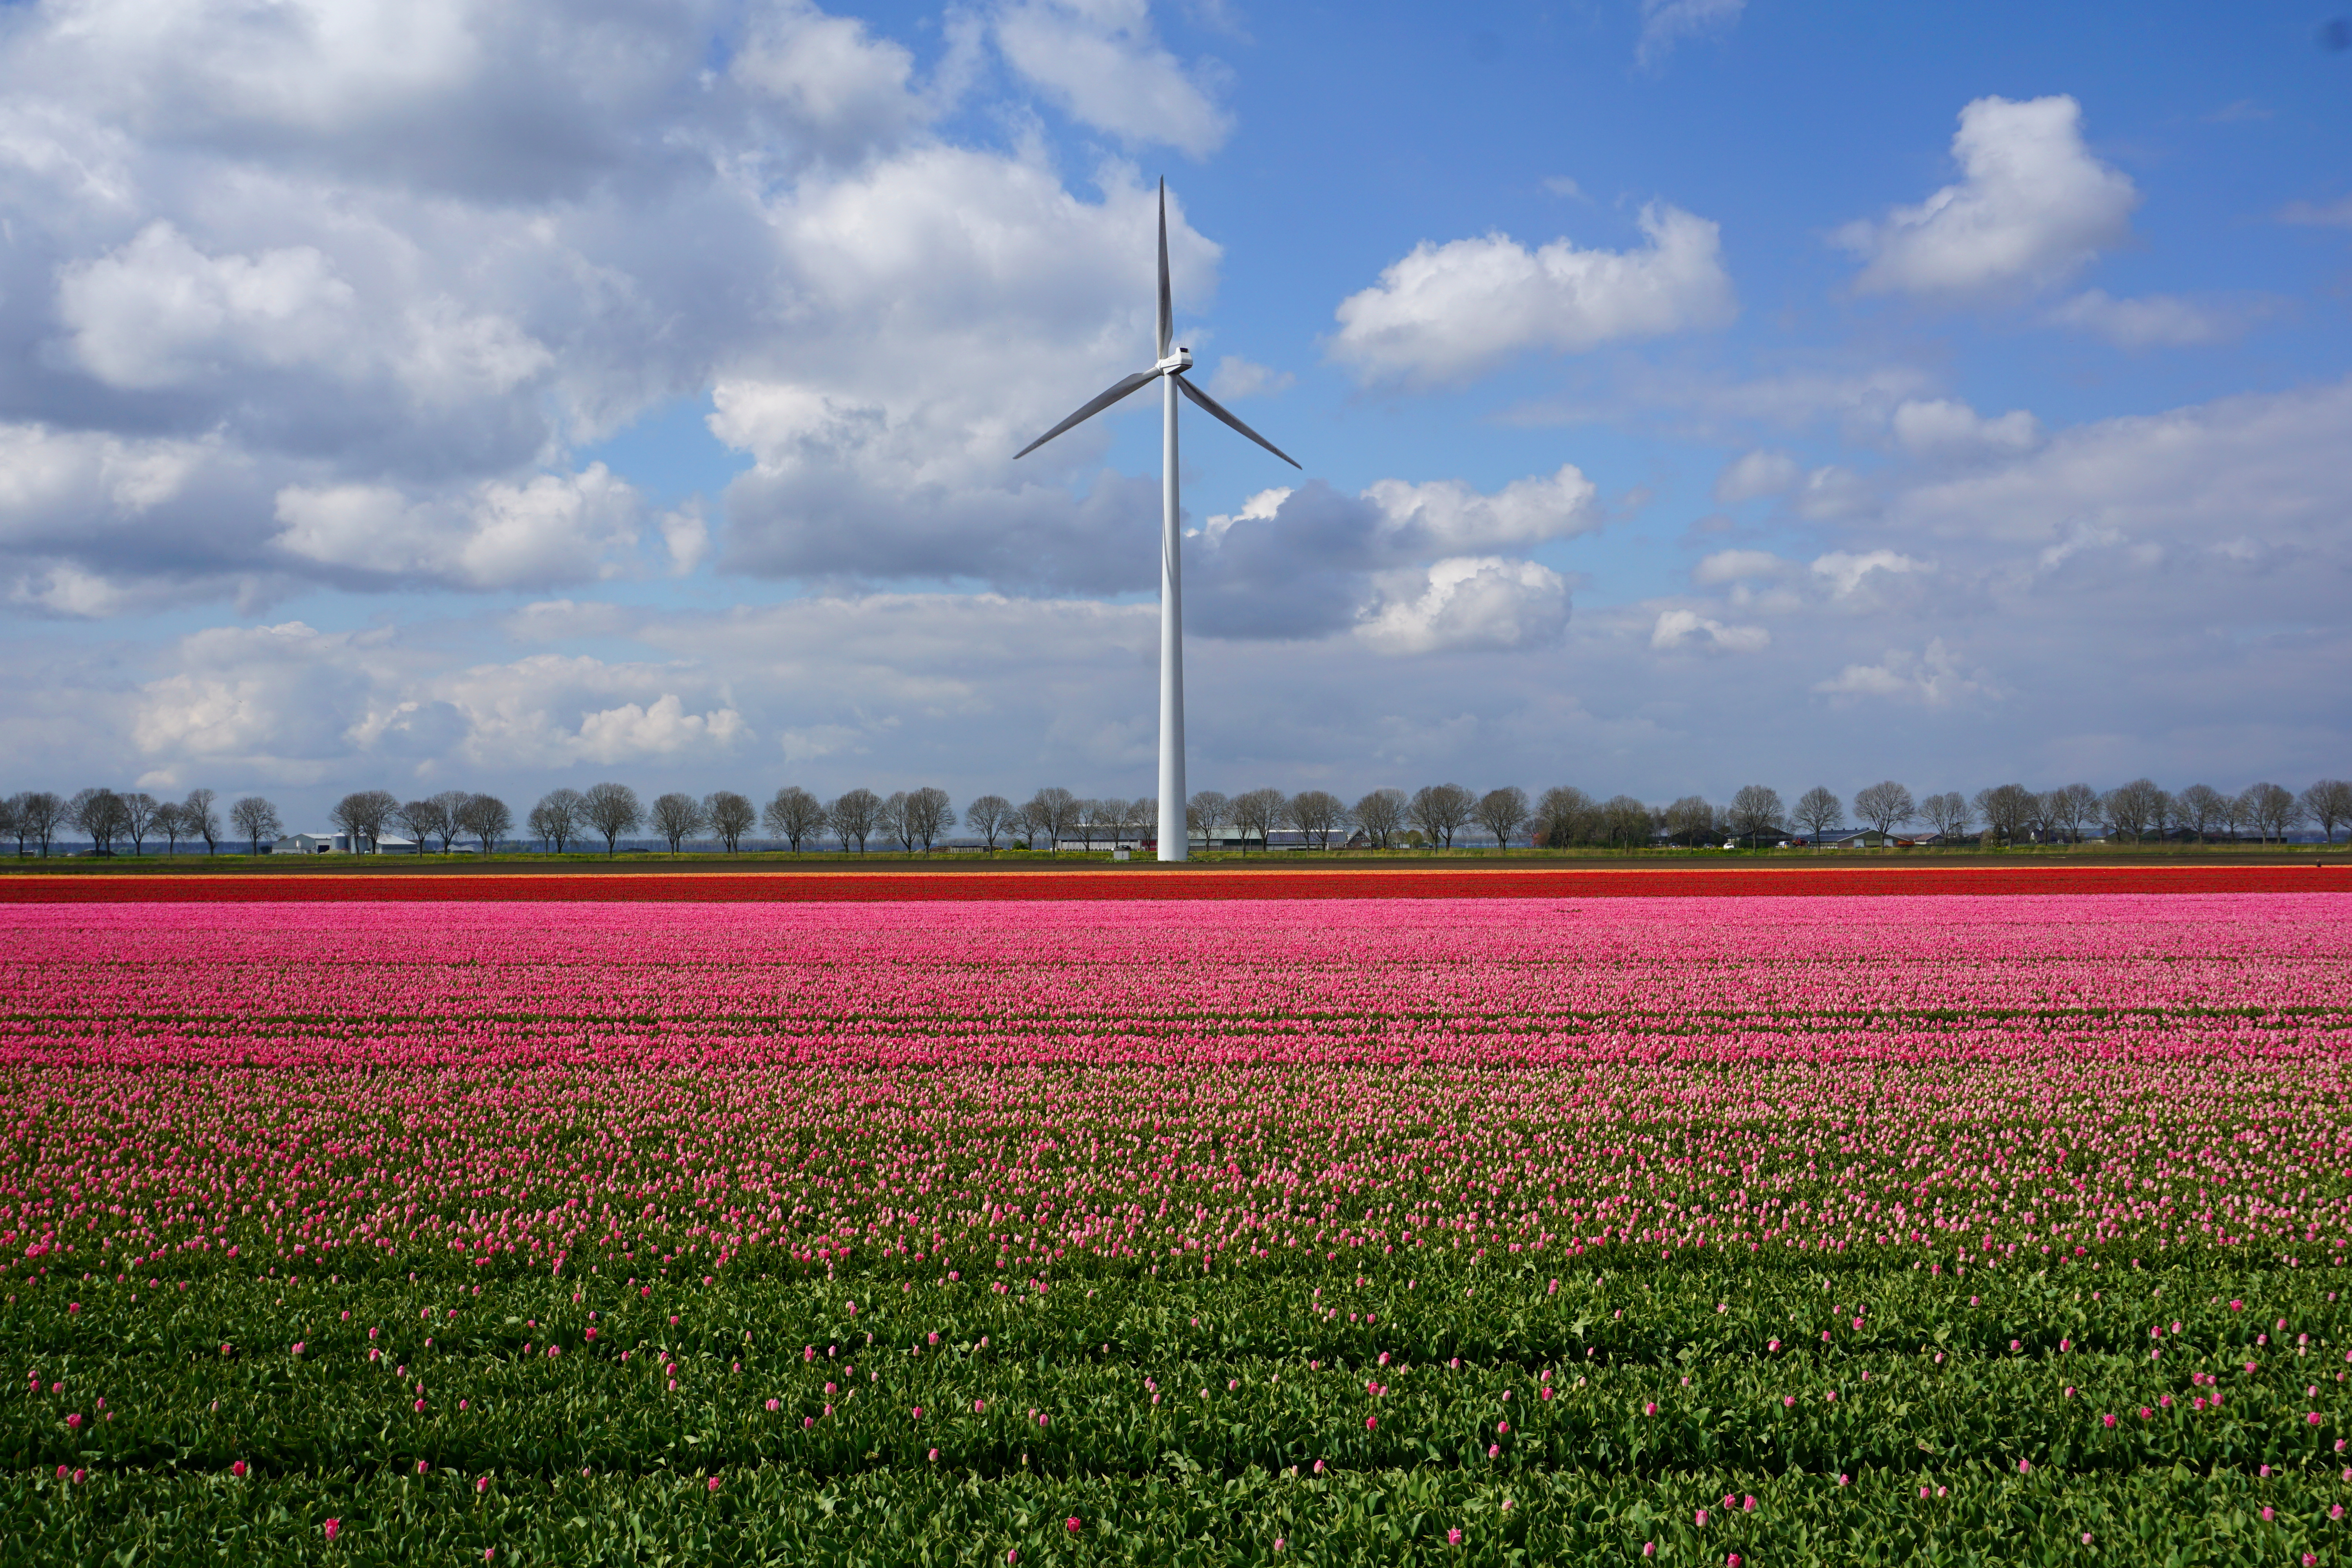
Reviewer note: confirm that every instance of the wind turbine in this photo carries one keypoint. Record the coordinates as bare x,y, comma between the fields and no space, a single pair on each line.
1174,836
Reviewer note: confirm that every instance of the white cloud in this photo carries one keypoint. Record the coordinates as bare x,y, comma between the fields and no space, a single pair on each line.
2266,466
157,311
1940,427
2032,206
555,529
1665,23
1737,566
1448,516
1102,61
1262,507
1687,629
2337,214
1468,602
1237,377
631,731
1844,572
2153,321
1757,473
1448,311
1932,678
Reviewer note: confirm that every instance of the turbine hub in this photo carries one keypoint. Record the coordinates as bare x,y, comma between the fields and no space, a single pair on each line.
1181,359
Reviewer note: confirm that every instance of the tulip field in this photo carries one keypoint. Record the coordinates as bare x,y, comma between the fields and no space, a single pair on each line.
1979,1226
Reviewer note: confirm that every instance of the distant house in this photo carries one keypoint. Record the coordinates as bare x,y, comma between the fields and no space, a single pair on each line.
311,844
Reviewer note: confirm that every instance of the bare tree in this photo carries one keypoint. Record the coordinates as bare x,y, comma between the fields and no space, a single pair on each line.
1207,811
1135,817
2006,809
1818,811
795,815
171,821
1755,812
2199,808
855,816
1501,811
2069,807
2130,807
2273,810
12,821
1380,813
202,822
2160,809
1884,805
1086,820
2237,815
1317,813
484,817
1948,814
256,819
1440,811
1052,811
677,817
989,817
731,816
561,815
1626,822
38,816
890,820
1564,816
361,815
1690,820
424,819
453,802
2326,803
929,814
1259,811
101,814
612,809
139,818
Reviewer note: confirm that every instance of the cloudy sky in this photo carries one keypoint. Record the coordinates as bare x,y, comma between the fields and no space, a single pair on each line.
500,394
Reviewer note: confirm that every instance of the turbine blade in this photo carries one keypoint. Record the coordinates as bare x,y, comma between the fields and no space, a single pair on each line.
1100,401
1218,410
1167,316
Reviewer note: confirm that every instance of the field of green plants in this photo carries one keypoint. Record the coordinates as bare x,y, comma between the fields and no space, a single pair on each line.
1767,1231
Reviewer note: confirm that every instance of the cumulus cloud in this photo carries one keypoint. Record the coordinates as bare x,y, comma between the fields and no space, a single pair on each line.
2264,465
1932,678
1236,378
1311,561
1447,311
2153,321
1737,566
1101,60
1846,572
1665,23
1757,473
555,529
2032,206
1468,602
1689,630
1941,427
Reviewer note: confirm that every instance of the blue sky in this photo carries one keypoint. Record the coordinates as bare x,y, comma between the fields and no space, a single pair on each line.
1689,394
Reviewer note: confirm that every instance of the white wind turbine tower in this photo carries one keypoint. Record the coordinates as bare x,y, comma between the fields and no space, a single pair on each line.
1174,836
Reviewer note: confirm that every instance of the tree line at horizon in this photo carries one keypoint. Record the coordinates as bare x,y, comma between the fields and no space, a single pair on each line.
916,821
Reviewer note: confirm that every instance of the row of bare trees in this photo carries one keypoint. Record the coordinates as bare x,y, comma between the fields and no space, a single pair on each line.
36,819
2010,813
1436,814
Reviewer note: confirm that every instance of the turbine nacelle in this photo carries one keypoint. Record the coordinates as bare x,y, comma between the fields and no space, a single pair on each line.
1180,360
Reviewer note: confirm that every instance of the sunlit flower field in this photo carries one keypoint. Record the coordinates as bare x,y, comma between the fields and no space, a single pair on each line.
1762,1230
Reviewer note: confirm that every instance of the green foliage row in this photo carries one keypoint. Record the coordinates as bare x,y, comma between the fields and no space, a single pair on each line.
1949,1382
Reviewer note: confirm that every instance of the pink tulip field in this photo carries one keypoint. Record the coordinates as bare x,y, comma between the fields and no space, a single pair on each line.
1734,1230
